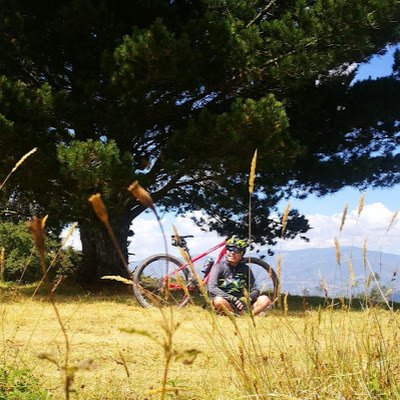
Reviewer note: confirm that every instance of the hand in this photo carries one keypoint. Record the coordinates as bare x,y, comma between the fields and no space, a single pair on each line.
239,304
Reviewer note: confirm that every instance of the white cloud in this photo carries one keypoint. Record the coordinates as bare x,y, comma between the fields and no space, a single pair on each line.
148,238
372,224
74,239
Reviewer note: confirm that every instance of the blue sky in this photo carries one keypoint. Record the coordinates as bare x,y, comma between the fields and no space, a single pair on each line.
377,67
330,204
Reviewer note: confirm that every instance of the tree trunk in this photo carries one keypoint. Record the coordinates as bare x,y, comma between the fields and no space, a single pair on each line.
100,254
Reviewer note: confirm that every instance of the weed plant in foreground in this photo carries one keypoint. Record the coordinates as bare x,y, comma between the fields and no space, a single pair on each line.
320,354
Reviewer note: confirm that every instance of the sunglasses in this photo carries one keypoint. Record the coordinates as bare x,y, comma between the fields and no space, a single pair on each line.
234,249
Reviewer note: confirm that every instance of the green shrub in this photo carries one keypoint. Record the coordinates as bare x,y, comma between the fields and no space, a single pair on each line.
20,384
21,259
69,262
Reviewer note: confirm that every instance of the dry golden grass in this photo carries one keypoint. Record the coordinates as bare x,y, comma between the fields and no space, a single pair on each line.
304,355
95,330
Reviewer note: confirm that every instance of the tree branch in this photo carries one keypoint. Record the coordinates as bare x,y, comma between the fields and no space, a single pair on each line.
262,11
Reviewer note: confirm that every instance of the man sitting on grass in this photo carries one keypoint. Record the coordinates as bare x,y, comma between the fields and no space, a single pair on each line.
231,286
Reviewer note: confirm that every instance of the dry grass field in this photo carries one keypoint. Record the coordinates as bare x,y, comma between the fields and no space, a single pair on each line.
92,347
118,350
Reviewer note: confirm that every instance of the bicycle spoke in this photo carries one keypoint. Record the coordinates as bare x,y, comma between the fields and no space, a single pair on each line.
156,276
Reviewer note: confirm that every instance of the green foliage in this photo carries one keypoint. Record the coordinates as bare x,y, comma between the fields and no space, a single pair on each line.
21,261
20,384
179,95
88,167
69,263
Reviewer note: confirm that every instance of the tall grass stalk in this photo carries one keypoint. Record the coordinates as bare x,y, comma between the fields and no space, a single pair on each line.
17,165
384,298
144,197
343,220
171,352
101,211
337,247
54,259
252,178
37,230
168,326
199,281
304,359
389,227
26,303
337,251
2,263
367,279
279,274
284,221
360,208
321,353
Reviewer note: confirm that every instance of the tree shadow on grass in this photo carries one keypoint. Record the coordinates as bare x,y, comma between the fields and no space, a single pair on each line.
298,305
71,292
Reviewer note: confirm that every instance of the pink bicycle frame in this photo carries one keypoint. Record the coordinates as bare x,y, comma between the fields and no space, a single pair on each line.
172,286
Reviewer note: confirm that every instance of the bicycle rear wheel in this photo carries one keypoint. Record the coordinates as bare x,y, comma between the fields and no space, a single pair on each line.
266,280
155,283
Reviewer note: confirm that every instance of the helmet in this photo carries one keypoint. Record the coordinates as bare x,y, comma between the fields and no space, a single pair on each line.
238,243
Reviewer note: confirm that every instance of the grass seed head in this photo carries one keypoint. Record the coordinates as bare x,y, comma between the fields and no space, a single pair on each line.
44,220
252,173
360,204
285,219
285,304
343,217
17,165
117,278
37,232
392,220
22,159
351,272
324,286
99,207
142,195
364,252
337,251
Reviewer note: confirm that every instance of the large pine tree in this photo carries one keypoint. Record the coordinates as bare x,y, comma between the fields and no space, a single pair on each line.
179,94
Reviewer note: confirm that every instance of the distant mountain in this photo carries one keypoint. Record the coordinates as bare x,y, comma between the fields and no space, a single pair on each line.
302,270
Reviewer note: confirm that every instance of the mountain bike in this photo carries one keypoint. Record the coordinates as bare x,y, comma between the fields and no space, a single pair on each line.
163,279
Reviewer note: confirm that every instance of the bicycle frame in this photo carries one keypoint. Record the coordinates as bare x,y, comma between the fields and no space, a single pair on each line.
172,286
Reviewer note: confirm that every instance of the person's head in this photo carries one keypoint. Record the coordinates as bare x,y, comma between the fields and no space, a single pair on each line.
235,249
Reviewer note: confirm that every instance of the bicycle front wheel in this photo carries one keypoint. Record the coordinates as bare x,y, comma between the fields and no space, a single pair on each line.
266,280
156,284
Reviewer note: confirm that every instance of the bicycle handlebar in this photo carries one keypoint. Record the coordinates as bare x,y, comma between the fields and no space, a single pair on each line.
179,241
182,237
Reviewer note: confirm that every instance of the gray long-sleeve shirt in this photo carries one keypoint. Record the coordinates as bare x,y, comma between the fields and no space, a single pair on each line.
226,281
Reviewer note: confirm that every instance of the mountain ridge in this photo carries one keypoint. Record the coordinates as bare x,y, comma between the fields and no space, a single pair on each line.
304,269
